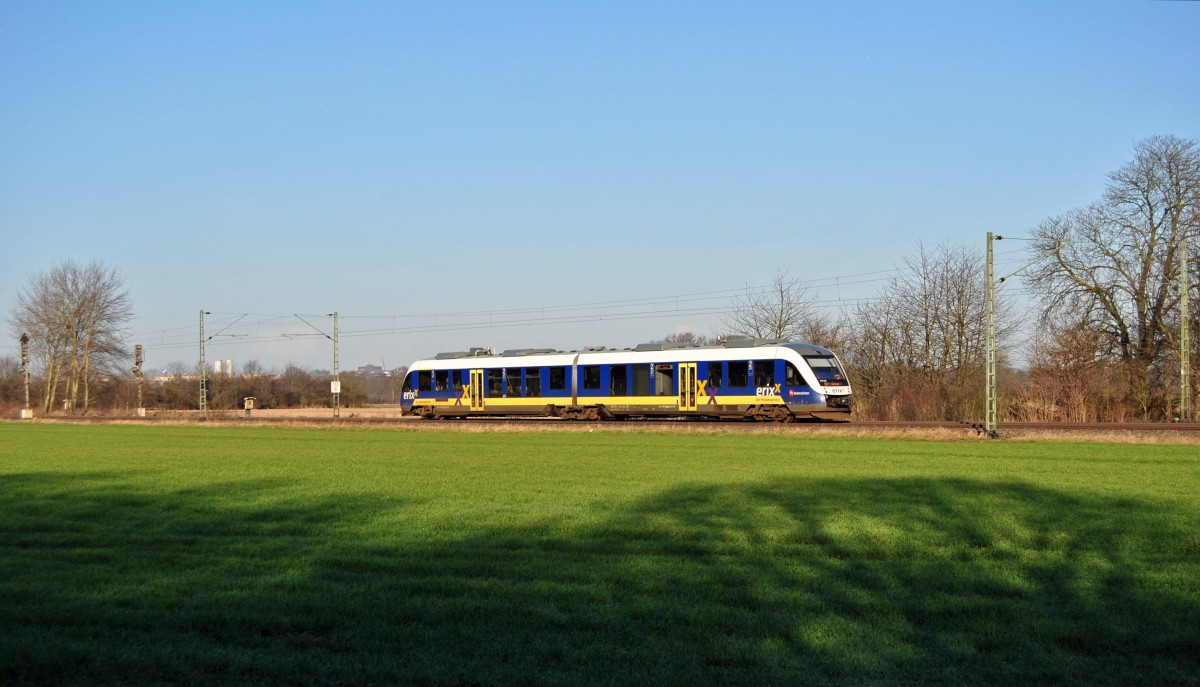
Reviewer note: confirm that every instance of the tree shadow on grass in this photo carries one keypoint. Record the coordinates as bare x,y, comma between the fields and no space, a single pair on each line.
885,581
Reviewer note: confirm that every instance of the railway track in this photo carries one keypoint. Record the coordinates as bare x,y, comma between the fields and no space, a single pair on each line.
354,419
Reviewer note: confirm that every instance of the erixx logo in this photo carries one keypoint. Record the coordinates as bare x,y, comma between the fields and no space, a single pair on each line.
767,391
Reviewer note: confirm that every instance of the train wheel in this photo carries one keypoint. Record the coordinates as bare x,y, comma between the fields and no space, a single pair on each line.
774,413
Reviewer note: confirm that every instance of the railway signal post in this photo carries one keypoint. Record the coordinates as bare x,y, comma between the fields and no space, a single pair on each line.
137,373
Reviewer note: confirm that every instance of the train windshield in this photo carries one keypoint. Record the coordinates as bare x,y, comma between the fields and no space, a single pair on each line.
827,370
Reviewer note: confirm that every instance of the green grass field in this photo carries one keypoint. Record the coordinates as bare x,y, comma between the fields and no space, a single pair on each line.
221,555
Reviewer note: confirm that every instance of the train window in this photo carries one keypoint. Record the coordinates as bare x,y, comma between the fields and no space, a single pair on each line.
408,382
533,382
618,377
513,380
495,383
591,377
441,380
764,373
664,380
715,375
791,376
826,369
739,374
558,378
425,380
641,380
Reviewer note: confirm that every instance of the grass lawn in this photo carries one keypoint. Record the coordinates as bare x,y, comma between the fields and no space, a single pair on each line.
223,555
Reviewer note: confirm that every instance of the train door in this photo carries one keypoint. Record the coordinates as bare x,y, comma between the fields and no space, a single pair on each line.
475,390
687,386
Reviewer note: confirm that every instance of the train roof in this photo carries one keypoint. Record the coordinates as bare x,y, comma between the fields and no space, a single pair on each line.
548,355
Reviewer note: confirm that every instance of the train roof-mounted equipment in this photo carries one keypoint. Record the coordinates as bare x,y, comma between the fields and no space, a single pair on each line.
754,343
454,355
661,346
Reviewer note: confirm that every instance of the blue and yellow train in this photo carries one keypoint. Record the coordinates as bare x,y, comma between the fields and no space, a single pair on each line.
756,379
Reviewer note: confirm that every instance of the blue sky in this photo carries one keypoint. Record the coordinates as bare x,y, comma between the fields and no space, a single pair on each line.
394,161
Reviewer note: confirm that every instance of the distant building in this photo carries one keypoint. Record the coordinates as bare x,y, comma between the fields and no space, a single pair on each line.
371,370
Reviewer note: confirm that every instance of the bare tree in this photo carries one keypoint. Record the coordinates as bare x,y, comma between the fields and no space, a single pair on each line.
1113,264
832,333
253,368
784,309
11,382
75,315
876,351
930,316
1070,377
919,345
687,338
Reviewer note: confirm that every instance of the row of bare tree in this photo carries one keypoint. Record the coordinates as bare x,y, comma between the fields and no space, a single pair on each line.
1096,336
915,351
1108,278
1103,301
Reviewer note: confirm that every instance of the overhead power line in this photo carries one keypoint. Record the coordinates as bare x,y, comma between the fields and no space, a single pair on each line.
244,328
684,303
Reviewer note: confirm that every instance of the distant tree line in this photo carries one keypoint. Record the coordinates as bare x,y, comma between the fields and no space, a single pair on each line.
179,388
293,387
1102,281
